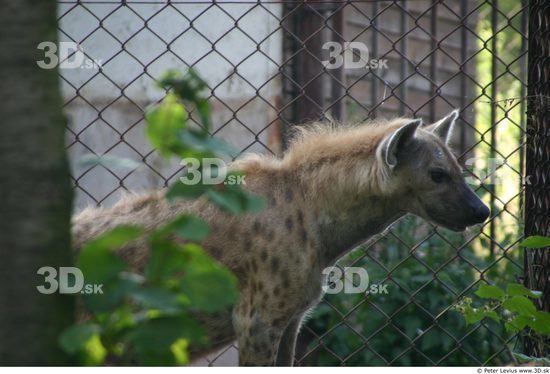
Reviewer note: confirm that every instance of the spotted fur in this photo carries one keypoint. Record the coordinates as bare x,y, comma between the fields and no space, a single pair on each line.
333,189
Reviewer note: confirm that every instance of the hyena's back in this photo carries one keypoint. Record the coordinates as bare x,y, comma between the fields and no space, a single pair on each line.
232,241
148,210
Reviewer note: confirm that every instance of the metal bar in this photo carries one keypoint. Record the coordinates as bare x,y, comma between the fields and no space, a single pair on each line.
374,41
403,65
433,56
523,91
463,56
310,105
493,141
337,90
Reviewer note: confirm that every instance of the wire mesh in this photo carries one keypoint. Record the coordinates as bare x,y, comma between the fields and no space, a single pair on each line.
268,68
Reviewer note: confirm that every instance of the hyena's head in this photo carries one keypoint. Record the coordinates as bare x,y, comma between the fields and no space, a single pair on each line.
428,177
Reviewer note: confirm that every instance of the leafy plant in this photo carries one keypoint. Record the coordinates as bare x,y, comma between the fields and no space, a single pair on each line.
147,318
513,307
412,323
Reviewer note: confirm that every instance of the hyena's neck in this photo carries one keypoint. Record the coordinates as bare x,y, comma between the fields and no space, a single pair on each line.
341,230
344,214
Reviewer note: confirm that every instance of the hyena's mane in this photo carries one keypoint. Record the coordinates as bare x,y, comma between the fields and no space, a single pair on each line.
330,157
327,157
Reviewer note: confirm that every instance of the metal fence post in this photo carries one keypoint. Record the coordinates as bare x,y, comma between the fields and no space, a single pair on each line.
315,24
537,197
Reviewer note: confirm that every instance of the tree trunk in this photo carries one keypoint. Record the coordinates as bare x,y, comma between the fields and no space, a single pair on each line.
537,157
34,188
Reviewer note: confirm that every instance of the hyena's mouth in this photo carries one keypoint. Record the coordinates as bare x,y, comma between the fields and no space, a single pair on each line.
455,228
442,222
445,224
448,225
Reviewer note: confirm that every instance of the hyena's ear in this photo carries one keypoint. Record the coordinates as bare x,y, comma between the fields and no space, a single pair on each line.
395,142
445,127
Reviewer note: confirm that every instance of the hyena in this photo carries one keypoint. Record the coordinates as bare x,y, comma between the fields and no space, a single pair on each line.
333,189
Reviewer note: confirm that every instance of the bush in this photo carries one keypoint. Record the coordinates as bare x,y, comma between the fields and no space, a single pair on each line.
413,324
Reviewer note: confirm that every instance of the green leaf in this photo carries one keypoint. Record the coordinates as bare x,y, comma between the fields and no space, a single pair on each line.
152,340
492,314
189,227
98,262
233,199
229,202
514,289
94,352
164,124
100,266
210,291
522,358
110,162
179,350
541,322
74,339
121,319
209,286
520,304
114,238
511,327
181,190
490,292
472,316
157,298
115,291
204,112
167,259
202,142
189,87
536,242
517,323
254,203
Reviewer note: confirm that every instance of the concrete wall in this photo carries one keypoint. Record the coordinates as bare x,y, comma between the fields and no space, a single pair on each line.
236,50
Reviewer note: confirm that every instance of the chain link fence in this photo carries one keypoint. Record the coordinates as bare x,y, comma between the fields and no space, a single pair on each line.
271,65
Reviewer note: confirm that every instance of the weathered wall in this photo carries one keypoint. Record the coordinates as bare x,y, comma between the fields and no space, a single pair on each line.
136,44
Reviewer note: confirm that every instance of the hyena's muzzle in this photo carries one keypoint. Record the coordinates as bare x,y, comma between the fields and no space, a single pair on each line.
474,211
458,210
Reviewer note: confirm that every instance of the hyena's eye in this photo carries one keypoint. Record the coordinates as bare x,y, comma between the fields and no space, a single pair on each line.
438,176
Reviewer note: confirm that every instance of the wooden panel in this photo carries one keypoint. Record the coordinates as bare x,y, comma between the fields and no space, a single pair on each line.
425,45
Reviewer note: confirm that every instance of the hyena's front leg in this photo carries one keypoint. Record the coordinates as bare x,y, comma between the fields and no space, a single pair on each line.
258,334
287,345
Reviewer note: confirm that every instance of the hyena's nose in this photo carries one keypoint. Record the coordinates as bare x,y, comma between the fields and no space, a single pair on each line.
481,213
